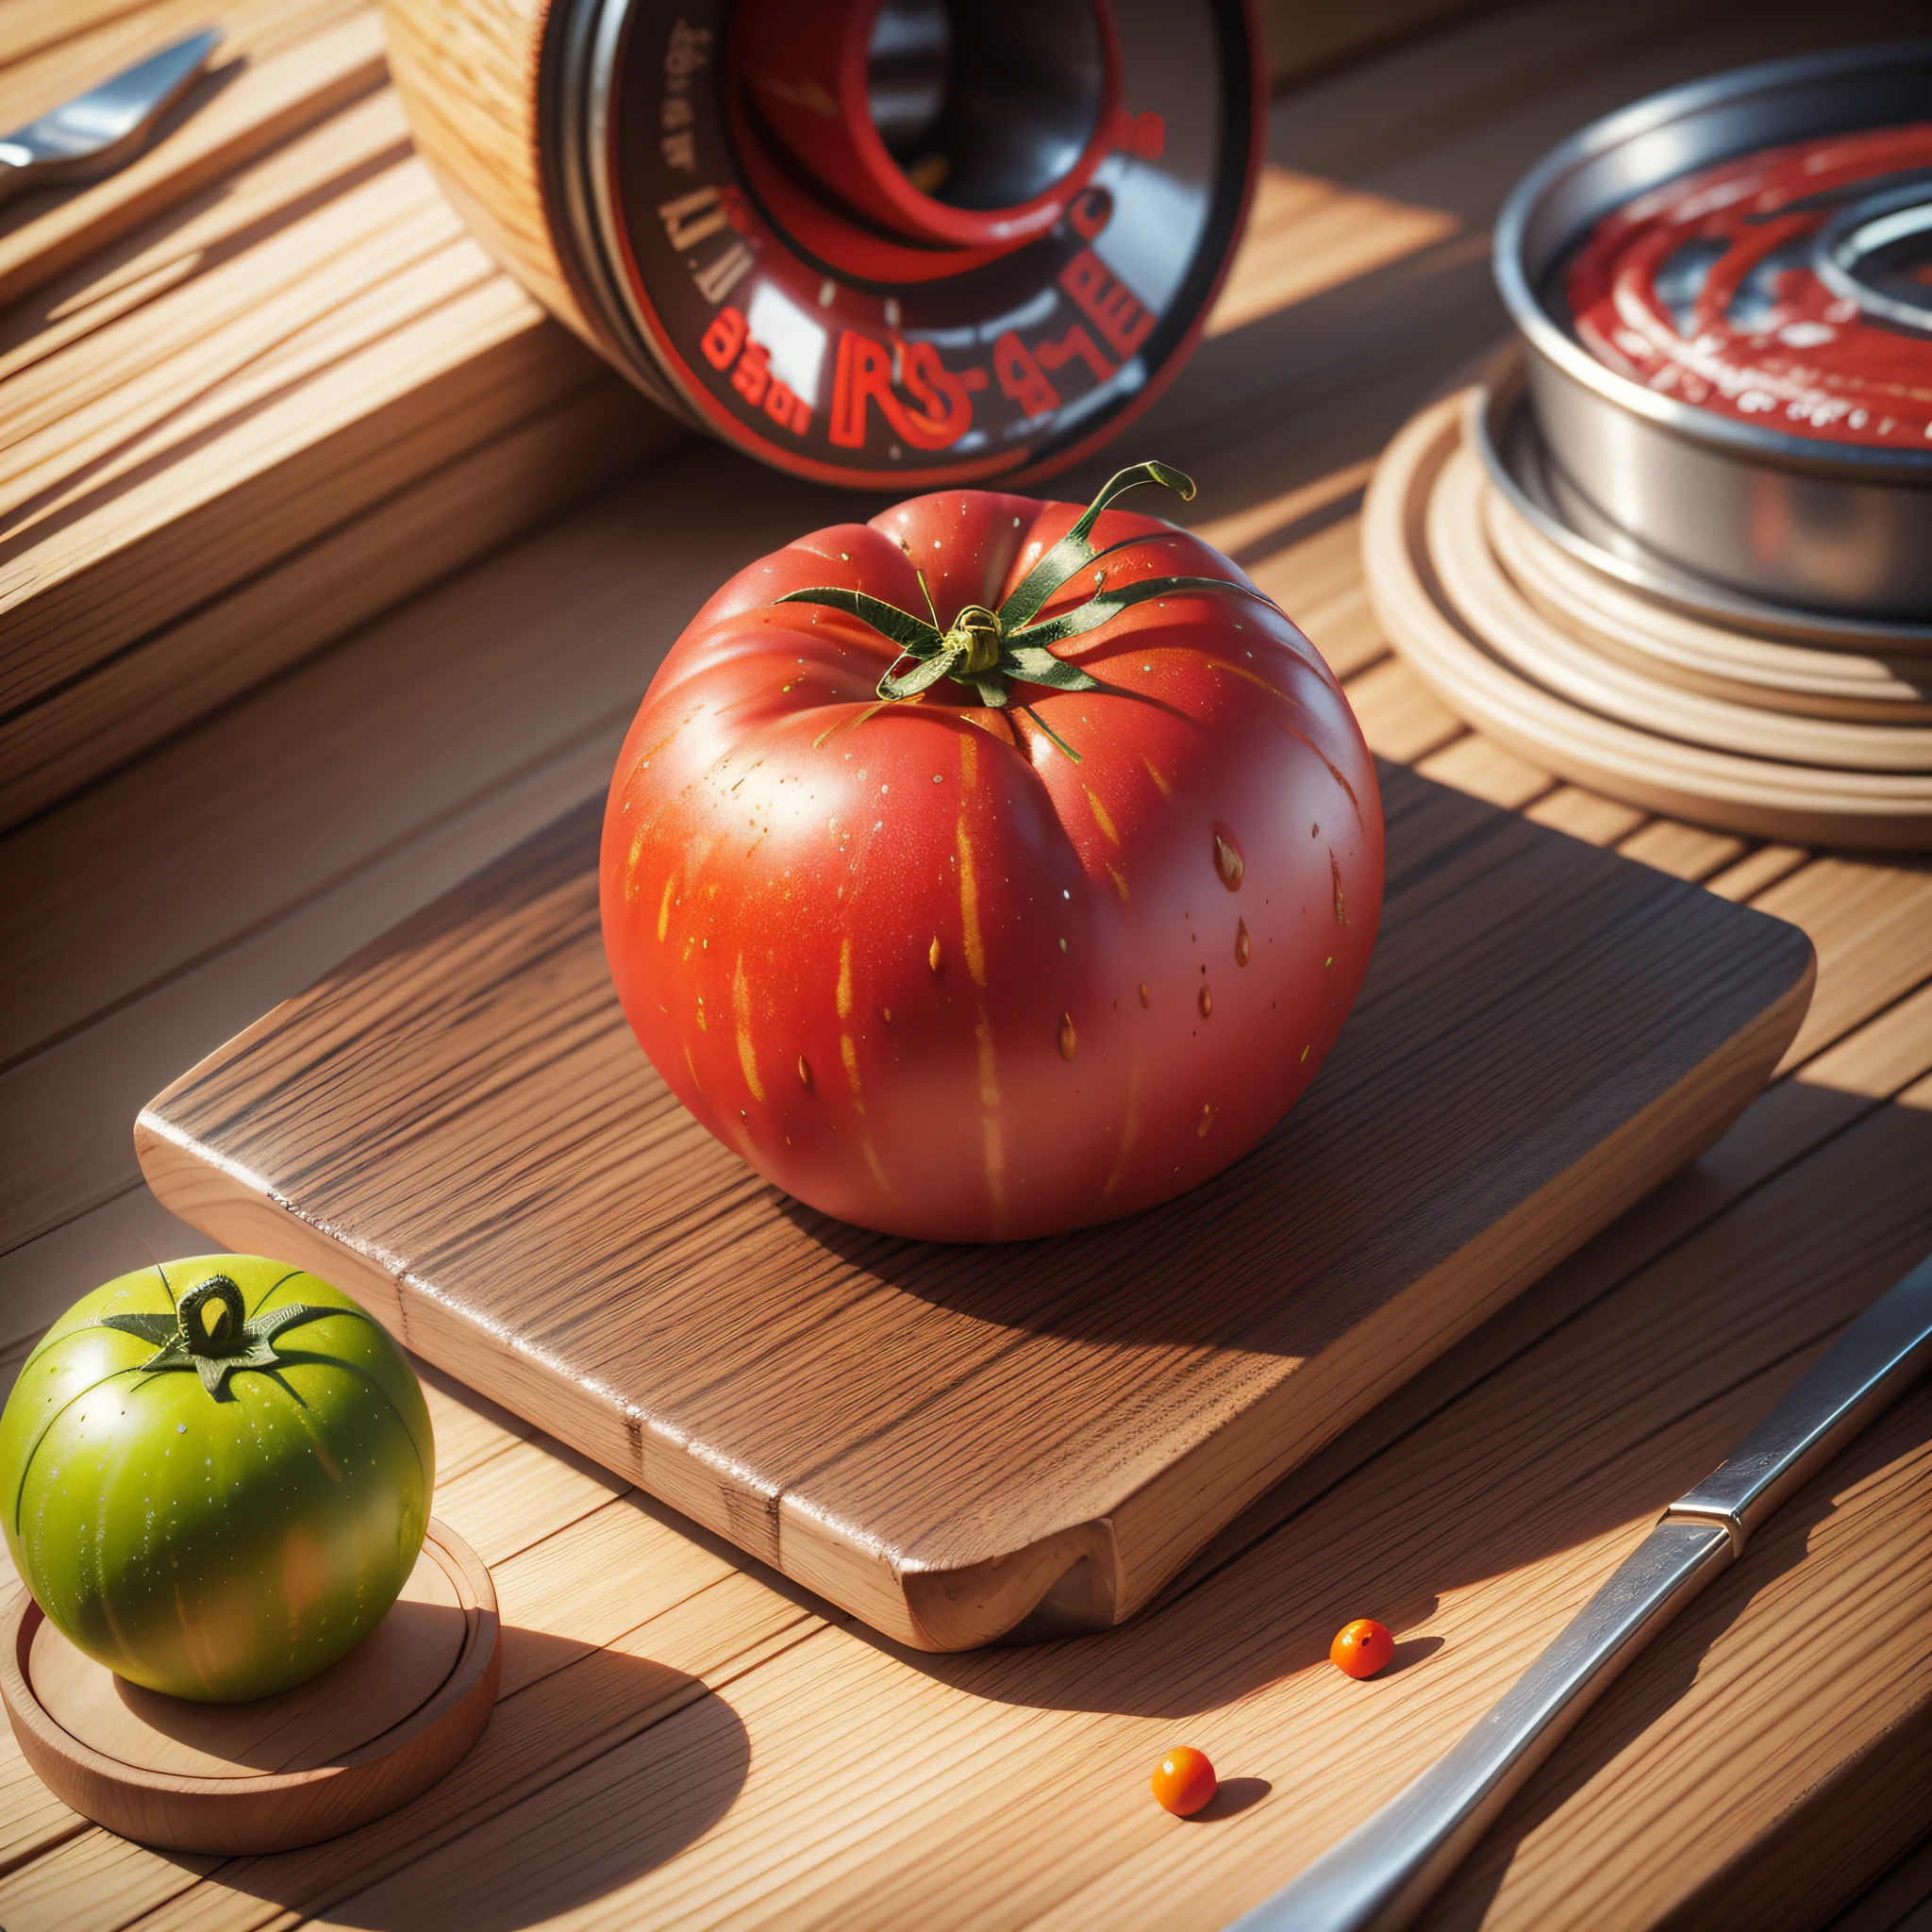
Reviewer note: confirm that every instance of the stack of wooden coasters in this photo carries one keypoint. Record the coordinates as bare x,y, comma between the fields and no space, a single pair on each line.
1535,630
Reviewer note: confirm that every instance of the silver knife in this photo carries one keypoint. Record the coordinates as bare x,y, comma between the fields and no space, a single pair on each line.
1379,1878
106,127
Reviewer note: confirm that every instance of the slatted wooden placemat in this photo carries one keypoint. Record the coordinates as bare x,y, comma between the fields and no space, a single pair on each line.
253,388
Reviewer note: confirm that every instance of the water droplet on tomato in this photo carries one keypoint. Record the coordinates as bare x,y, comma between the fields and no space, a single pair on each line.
1243,946
1206,1003
933,955
1229,861
804,1071
1146,997
1206,1120
1069,1041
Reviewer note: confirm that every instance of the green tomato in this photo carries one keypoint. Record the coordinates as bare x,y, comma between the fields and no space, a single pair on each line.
216,1476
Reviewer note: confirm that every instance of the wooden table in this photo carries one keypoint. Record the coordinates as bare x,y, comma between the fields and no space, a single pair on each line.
687,1738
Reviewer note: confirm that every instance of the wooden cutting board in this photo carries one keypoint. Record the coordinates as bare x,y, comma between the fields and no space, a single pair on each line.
964,1443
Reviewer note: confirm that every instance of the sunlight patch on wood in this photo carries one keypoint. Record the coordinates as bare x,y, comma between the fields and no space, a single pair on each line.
1306,234
1239,529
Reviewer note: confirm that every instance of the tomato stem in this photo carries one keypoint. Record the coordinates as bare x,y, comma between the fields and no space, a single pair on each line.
989,650
211,1332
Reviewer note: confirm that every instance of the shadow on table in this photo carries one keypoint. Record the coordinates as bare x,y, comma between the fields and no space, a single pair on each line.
1582,1409
1528,995
1857,1820
598,1769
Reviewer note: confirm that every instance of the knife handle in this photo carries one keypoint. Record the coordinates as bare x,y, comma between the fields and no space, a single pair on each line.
1875,1357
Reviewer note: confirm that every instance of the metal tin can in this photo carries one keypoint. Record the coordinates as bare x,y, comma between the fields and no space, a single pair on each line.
905,243
1799,510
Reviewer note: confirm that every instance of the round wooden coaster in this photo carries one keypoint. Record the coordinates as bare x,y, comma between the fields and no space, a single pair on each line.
1479,588
1762,797
364,1737
1817,681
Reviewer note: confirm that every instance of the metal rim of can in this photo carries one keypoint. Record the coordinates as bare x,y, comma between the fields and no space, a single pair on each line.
1504,433
1532,237
590,47
1853,233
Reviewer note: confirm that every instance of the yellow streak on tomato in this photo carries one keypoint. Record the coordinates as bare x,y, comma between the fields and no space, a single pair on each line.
969,910
1237,671
1119,883
1129,1128
849,1054
969,891
304,1569
844,992
1161,785
663,904
994,1152
1100,817
741,1007
630,870
692,1066
872,1160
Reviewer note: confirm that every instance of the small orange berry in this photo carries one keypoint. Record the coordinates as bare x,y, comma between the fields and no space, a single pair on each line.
1361,1648
1184,1781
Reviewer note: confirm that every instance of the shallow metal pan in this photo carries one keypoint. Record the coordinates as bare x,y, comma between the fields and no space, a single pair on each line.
1782,521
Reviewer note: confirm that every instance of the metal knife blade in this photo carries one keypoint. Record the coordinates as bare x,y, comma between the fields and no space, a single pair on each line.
1382,1874
106,127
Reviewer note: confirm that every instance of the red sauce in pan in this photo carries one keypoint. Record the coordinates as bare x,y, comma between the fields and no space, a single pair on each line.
1704,290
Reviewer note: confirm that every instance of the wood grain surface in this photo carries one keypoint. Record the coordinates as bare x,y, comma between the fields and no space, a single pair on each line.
366,1736
686,1737
252,389
265,381
470,72
282,65
959,1443
378,1685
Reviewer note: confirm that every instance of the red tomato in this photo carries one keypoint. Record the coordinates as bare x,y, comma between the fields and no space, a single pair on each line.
990,958
1184,1781
1361,1648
